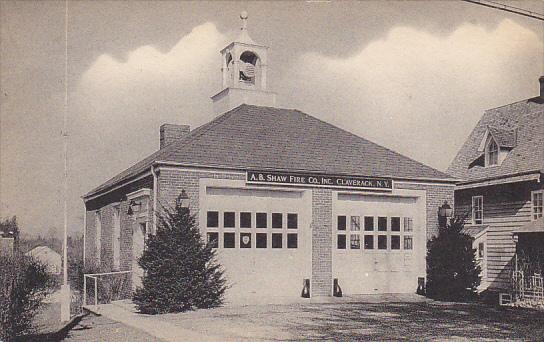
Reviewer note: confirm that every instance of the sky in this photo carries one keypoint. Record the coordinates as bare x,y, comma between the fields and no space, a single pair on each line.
412,76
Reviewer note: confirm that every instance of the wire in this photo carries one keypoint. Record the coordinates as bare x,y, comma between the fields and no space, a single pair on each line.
508,8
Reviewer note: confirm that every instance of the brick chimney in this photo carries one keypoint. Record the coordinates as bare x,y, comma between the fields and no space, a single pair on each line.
170,133
541,81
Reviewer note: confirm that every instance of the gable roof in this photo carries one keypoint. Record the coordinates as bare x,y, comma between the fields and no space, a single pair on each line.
519,126
253,137
39,250
505,138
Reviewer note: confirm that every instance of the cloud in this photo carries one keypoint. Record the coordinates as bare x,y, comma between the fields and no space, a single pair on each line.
117,100
419,93
118,105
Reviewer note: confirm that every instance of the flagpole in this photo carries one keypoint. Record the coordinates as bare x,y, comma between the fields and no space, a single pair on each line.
65,289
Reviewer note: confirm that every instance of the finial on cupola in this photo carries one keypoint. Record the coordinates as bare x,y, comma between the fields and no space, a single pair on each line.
243,16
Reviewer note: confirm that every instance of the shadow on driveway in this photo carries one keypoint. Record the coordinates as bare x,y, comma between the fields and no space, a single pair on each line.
418,321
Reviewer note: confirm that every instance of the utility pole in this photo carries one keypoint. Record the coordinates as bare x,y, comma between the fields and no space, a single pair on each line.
65,288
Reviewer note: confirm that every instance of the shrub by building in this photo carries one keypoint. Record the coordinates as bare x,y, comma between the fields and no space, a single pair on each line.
452,270
181,272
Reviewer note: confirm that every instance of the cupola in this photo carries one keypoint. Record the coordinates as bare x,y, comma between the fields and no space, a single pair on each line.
244,73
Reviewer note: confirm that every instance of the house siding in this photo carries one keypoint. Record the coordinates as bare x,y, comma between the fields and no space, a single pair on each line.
505,208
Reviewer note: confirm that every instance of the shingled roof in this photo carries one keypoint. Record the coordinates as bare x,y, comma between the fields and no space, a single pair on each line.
503,137
519,127
253,137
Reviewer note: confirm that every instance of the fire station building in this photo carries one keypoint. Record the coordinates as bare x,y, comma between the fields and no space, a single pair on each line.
285,198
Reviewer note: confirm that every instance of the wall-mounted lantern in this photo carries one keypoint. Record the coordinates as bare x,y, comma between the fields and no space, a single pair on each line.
134,206
184,199
445,210
444,213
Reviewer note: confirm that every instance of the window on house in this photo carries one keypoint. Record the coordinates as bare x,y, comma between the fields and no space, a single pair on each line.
481,249
213,239
116,237
277,220
277,240
369,223
98,237
212,219
292,240
341,235
228,240
261,240
382,224
341,223
492,153
229,219
408,242
408,224
395,241
261,220
382,241
292,221
355,241
536,204
245,240
245,220
341,241
355,223
477,210
369,241
395,224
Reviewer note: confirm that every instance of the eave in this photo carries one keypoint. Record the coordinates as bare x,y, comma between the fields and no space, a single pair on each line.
534,175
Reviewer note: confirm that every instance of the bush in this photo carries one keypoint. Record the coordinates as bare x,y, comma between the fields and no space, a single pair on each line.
24,283
452,270
181,272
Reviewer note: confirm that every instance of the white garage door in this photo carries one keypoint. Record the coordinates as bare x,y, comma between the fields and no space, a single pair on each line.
262,236
379,242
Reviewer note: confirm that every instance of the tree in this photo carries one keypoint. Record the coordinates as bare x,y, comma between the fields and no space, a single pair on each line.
24,283
452,270
180,270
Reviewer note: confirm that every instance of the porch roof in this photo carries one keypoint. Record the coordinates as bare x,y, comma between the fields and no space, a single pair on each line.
536,226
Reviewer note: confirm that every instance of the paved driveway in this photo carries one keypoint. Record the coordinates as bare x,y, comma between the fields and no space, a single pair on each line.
365,318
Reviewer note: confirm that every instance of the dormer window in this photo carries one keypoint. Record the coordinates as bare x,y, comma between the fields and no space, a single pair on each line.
495,146
491,153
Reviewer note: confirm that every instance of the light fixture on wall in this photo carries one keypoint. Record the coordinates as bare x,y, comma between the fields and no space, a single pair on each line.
133,206
445,210
444,213
184,199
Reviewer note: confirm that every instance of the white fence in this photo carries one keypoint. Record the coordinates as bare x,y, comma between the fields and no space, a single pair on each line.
106,287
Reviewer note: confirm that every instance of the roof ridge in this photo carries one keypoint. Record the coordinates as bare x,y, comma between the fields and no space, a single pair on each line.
512,103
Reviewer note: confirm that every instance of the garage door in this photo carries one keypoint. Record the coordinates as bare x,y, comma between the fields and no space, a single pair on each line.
379,242
262,237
